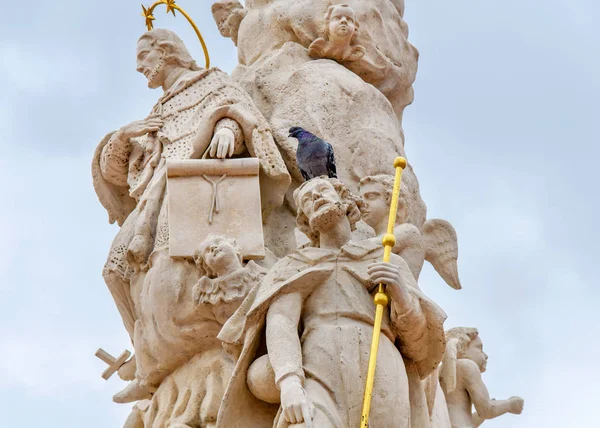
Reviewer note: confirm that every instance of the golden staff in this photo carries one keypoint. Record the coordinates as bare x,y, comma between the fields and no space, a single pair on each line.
381,299
172,7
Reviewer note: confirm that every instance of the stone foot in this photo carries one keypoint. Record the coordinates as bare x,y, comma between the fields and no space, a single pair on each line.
133,392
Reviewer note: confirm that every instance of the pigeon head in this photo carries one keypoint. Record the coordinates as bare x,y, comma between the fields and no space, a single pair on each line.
297,132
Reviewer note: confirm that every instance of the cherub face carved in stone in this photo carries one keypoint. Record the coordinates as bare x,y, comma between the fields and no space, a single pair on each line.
218,255
339,36
376,191
468,345
228,14
341,23
474,352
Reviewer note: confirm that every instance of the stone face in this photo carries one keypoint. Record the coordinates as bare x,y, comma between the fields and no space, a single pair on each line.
214,197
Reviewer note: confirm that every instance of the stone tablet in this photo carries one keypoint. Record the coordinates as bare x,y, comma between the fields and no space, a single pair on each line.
214,197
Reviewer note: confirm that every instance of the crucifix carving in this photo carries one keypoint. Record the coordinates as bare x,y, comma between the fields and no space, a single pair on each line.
214,204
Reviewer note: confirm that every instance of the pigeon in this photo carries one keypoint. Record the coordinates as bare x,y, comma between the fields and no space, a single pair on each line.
314,156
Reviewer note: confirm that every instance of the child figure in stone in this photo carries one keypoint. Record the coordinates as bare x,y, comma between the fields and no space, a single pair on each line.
226,281
339,39
228,15
460,377
196,302
436,242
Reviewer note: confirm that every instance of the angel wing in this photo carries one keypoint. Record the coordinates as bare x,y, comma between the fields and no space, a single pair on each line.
441,250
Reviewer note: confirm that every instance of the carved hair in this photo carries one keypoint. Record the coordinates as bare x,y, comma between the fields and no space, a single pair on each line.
172,46
351,204
387,182
328,20
457,341
233,11
199,253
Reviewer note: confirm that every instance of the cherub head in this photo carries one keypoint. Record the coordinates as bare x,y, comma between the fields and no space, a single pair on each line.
218,255
159,52
376,191
341,24
323,201
228,15
468,345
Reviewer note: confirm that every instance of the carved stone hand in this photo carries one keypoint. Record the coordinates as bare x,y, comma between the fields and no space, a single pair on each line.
295,404
397,287
222,144
141,127
516,405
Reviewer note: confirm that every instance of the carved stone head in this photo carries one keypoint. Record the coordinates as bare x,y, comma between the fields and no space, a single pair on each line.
223,11
159,51
322,202
341,24
376,191
218,255
468,344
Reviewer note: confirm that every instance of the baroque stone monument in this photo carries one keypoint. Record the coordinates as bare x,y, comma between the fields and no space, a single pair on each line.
255,296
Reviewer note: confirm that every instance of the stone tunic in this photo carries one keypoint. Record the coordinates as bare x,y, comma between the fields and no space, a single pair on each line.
336,329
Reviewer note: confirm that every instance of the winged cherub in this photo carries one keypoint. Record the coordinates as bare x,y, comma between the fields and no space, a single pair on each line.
436,242
339,38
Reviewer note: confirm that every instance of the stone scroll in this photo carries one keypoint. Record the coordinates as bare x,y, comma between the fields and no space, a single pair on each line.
214,197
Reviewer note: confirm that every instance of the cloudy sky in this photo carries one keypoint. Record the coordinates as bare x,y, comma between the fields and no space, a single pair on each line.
502,135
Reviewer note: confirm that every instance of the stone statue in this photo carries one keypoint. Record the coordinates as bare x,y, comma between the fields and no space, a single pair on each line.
354,105
180,363
201,113
436,242
460,377
220,342
339,36
228,15
316,310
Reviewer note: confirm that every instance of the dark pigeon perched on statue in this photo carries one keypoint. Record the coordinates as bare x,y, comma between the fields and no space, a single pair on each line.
314,156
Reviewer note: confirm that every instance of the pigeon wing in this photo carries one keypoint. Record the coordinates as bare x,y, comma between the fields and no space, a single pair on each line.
331,169
441,250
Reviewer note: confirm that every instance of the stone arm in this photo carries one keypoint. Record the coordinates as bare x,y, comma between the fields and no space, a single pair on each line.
417,321
236,129
283,342
114,161
486,408
477,420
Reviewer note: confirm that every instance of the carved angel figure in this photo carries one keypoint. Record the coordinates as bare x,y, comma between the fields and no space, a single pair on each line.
316,310
177,352
228,15
436,242
460,377
339,38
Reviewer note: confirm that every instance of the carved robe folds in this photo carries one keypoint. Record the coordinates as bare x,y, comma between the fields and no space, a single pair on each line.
130,176
337,324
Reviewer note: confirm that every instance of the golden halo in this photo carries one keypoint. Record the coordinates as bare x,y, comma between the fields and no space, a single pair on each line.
172,7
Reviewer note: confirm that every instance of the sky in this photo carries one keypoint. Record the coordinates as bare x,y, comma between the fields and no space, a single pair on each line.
502,135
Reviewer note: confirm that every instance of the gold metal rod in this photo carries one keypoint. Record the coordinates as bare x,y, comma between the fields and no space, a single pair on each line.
381,299
193,24
171,5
